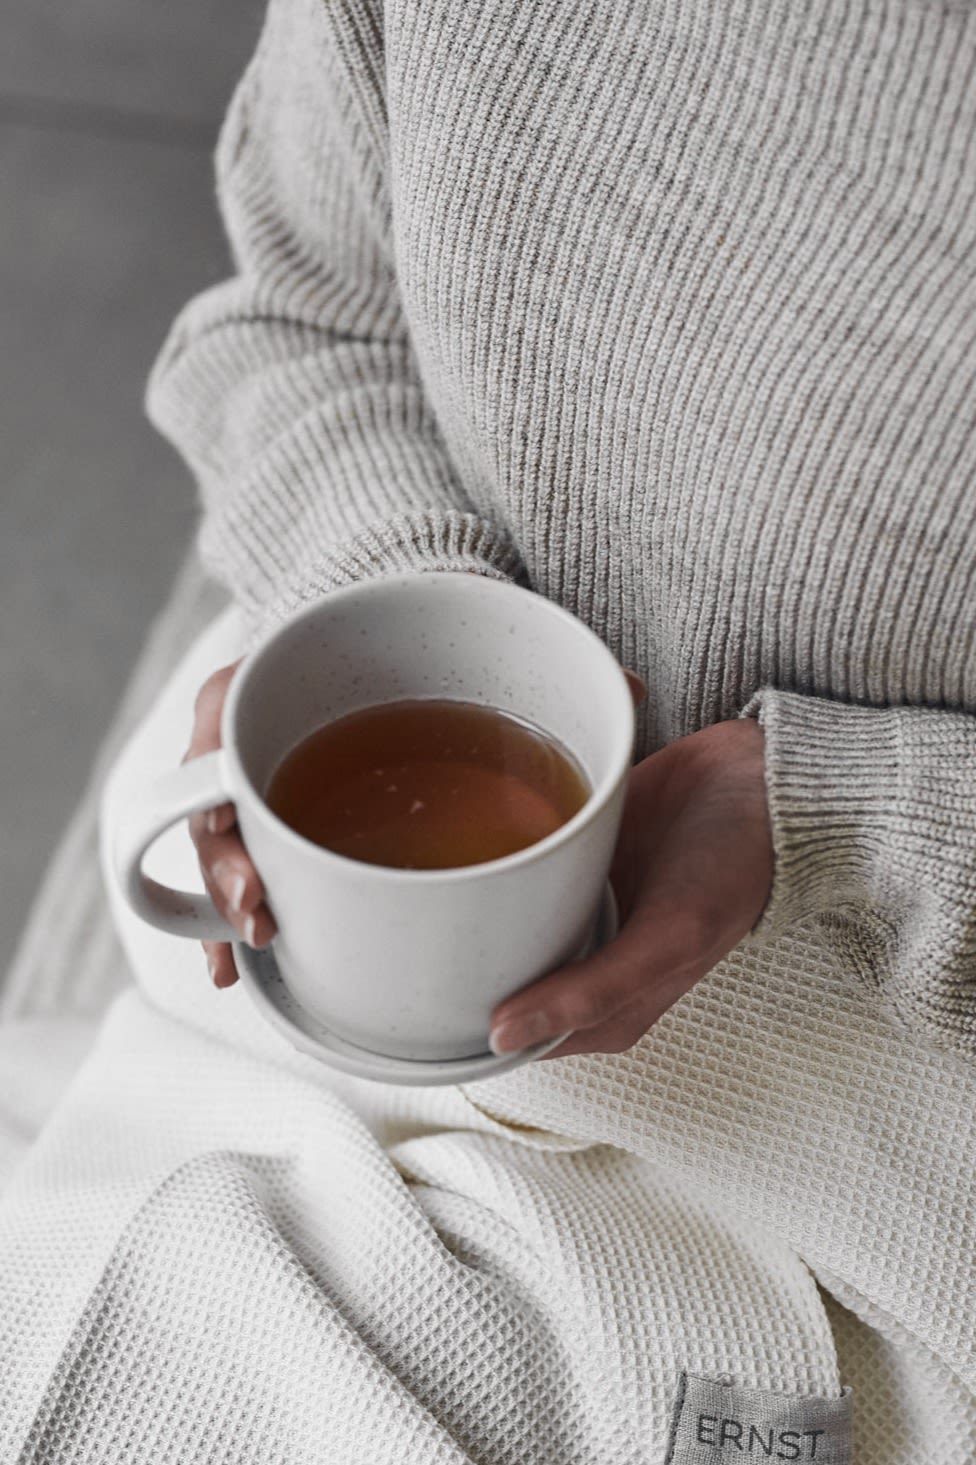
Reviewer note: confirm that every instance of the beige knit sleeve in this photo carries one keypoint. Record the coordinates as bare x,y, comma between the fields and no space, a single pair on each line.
873,814
292,390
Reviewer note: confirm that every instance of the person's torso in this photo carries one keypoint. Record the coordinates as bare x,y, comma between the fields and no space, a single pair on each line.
693,292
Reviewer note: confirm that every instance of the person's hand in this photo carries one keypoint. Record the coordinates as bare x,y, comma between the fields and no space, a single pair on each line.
232,882
692,872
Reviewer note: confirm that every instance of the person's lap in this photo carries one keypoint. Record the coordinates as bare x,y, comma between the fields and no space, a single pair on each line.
206,1202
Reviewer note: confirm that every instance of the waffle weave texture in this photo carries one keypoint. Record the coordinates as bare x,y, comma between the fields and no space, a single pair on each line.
219,1250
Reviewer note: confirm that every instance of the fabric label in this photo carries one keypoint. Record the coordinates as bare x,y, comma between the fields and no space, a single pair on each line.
717,1423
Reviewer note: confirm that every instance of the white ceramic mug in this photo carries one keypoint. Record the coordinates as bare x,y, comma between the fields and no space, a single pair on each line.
407,963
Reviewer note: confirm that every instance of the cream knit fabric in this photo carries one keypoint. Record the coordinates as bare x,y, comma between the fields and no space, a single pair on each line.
668,311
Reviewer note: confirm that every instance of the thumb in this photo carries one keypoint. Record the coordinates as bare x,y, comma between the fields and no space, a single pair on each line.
643,963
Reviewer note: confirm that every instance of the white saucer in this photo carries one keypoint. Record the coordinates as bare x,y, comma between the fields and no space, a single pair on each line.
259,973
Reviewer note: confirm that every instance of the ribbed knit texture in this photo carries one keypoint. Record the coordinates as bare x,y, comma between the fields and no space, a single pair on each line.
667,310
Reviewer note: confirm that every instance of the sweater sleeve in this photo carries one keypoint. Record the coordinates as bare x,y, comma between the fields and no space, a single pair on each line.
873,814
292,389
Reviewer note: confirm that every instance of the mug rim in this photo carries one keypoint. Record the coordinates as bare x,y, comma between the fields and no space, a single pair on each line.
619,758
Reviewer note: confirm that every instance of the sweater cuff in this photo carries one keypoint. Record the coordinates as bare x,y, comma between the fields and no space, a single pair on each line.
829,769
430,539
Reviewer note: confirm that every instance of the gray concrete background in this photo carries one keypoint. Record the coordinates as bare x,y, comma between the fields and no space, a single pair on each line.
108,114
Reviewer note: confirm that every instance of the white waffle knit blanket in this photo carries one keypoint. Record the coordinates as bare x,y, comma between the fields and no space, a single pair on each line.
220,1251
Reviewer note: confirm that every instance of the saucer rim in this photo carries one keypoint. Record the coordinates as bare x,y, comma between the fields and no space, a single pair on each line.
348,1057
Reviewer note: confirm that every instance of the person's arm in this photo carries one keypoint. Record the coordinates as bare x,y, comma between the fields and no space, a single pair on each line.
293,389
873,816
860,820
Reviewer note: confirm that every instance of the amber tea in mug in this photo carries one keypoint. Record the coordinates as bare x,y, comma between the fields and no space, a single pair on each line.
427,784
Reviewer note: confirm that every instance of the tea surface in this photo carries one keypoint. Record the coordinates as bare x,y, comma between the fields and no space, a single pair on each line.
427,784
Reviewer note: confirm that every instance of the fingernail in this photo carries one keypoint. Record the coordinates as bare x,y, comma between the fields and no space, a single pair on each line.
249,931
237,889
519,1032
212,967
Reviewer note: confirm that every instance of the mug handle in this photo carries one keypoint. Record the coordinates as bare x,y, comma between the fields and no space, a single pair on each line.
202,783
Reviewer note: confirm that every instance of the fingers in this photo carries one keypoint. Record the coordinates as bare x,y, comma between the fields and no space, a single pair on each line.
235,887
232,882
207,710
205,738
610,1000
236,890
220,963
624,1030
